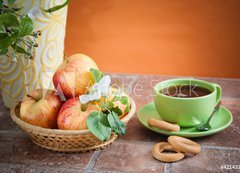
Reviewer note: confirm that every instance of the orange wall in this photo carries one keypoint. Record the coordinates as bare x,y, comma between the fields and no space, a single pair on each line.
176,37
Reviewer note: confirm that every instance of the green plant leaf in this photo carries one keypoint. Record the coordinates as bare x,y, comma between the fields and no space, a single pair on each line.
6,41
110,104
8,20
58,7
26,26
1,3
3,52
19,49
117,110
127,109
116,124
124,100
97,75
3,35
11,1
96,126
2,30
104,120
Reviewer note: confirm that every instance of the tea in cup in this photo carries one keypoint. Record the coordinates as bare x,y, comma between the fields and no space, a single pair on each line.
187,102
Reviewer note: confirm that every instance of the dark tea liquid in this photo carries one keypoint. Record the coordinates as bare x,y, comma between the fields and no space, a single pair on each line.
185,91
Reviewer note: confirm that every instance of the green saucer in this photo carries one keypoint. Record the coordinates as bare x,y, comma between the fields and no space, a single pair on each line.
221,120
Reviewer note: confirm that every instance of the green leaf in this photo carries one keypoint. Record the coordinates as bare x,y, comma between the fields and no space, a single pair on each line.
127,109
124,100
96,126
2,29
8,20
117,110
11,1
97,75
110,104
3,35
3,52
116,124
19,49
104,120
26,26
1,3
7,41
58,7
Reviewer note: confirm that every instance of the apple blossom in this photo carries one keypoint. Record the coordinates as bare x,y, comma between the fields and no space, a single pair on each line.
97,90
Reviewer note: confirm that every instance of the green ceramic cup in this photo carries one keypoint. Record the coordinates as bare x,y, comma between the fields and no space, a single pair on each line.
186,111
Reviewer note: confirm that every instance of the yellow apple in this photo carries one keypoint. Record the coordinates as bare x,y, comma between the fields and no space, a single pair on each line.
40,108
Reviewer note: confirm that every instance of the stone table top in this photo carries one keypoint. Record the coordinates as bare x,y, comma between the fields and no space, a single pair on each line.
131,152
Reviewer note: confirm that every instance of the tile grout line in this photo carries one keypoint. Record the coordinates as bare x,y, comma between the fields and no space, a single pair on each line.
122,141
93,160
48,167
105,171
167,167
12,132
220,147
173,76
230,98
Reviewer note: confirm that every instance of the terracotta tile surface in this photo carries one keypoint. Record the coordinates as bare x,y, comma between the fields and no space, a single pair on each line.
209,160
16,148
131,152
13,168
5,117
124,82
128,157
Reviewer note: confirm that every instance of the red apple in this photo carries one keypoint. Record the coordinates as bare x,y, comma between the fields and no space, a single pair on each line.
40,108
73,116
73,76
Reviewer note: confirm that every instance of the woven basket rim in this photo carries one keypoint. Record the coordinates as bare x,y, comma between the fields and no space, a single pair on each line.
22,123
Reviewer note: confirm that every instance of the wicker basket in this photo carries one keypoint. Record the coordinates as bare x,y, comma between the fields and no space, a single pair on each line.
65,140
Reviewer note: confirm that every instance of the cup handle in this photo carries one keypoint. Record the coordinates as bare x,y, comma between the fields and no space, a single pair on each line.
219,92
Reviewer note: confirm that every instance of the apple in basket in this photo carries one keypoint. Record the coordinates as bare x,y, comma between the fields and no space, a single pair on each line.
73,76
40,108
73,114
98,109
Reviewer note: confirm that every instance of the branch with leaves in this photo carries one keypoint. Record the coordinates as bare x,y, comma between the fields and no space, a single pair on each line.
16,31
105,121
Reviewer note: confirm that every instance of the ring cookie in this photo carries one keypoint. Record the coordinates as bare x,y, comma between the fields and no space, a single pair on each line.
157,152
184,145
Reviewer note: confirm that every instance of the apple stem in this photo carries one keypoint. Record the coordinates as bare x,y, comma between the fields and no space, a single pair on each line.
32,97
83,107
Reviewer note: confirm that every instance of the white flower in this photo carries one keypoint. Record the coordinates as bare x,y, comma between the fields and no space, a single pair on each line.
97,90
34,12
